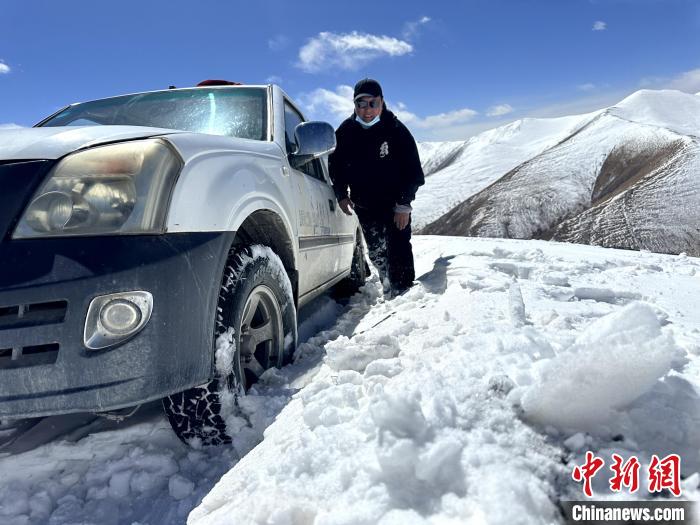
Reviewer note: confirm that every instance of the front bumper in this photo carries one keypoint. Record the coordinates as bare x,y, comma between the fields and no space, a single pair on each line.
46,286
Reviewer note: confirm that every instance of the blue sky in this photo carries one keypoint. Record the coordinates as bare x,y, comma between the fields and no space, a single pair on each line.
449,68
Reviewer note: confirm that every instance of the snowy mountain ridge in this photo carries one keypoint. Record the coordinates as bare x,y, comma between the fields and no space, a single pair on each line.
634,160
673,110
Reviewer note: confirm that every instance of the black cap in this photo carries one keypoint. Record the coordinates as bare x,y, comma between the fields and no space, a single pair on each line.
367,87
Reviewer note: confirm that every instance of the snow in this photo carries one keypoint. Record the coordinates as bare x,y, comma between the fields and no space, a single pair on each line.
224,352
436,155
428,431
616,360
640,217
669,109
470,398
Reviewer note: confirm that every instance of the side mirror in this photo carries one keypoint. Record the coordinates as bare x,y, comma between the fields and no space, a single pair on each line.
314,139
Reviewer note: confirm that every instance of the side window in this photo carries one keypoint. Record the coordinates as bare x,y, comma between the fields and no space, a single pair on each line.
291,119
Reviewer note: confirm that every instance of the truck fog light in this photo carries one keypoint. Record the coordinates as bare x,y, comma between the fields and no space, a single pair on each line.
120,316
114,318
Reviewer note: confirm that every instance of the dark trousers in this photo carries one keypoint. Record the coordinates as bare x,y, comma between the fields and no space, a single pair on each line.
389,248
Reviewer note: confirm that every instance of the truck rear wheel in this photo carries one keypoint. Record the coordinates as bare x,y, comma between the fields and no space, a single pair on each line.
255,331
359,272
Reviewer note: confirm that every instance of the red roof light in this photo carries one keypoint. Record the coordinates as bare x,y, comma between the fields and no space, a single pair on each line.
205,83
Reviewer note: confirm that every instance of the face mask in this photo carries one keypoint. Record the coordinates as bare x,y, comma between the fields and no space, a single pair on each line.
369,124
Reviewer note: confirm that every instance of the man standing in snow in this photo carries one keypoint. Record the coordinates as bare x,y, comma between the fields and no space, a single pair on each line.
377,160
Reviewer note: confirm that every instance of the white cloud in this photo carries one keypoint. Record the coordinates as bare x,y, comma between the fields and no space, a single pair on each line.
4,68
499,110
585,103
602,95
273,79
405,116
349,51
432,123
599,25
688,81
336,106
410,29
452,118
278,42
9,126
333,106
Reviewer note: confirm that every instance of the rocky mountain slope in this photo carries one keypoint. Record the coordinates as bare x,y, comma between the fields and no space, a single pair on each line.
624,177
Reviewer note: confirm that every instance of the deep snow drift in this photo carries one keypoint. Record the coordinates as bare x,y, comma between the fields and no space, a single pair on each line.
623,177
468,399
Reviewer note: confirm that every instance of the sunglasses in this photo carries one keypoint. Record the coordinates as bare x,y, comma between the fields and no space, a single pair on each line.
374,103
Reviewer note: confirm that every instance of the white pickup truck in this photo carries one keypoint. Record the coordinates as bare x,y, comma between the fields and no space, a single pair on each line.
158,245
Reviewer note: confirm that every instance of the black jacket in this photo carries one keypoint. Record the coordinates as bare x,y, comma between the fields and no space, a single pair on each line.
380,164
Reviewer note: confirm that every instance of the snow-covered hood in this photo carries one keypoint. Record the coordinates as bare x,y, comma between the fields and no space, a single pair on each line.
53,143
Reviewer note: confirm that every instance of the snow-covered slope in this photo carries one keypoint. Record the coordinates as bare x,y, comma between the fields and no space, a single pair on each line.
467,400
438,155
658,212
626,178
673,110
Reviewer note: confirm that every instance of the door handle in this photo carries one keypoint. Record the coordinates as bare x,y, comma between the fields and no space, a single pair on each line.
331,204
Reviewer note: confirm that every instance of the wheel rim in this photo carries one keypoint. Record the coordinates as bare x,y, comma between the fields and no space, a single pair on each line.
261,335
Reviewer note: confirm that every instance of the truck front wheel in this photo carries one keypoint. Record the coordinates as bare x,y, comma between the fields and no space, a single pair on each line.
255,330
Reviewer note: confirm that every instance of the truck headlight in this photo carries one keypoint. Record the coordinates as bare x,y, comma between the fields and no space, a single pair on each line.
106,190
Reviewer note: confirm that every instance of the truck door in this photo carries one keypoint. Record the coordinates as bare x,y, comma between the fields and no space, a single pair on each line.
316,217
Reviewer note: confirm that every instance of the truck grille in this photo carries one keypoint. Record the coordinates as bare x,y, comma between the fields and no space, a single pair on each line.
30,316
37,314
28,356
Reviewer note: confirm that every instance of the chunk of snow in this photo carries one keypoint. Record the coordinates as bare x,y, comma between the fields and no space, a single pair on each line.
616,360
180,487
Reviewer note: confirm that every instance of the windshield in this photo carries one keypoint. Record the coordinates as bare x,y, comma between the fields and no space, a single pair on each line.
235,112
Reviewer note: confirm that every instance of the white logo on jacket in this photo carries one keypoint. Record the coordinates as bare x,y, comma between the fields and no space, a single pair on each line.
383,150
